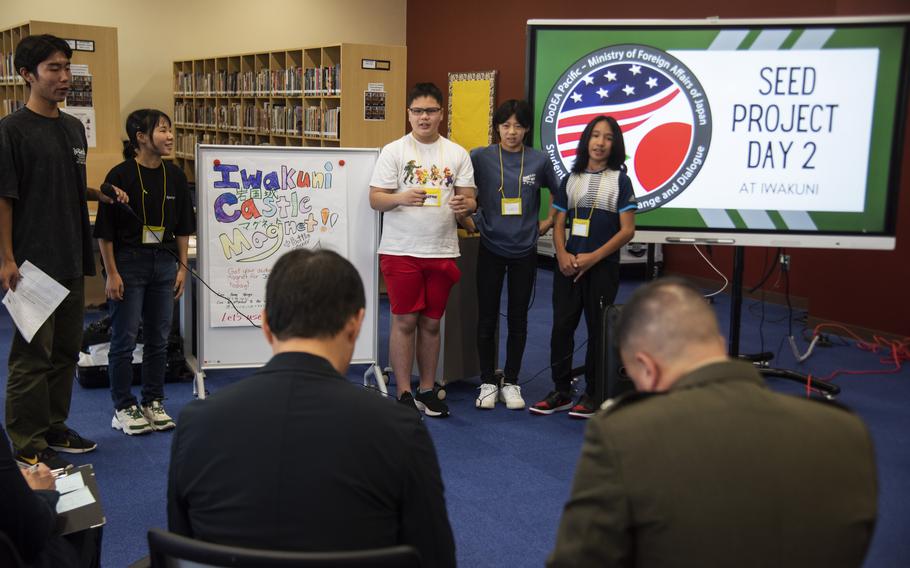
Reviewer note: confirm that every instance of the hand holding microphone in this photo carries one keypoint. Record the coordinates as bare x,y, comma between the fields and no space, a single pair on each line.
112,194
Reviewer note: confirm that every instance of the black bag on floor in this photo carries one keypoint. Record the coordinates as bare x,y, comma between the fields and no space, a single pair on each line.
96,376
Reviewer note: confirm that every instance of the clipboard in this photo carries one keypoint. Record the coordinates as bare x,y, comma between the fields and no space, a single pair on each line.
89,516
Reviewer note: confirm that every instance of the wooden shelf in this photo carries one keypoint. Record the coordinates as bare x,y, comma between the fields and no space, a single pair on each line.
269,90
104,69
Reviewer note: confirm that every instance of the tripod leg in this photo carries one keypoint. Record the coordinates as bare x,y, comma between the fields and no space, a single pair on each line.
828,390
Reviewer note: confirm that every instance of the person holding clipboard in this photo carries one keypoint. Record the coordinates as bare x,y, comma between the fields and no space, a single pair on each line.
508,175
598,203
138,246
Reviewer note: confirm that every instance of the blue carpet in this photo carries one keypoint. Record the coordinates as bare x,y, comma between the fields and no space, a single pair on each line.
507,474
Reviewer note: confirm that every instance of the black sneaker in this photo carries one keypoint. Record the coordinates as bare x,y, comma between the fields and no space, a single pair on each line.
429,403
584,408
47,456
69,442
407,399
556,401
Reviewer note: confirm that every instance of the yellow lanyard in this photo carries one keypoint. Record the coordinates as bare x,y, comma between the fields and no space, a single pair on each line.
521,172
163,198
596,195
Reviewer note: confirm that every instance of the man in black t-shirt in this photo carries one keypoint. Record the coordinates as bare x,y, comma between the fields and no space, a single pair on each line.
44,221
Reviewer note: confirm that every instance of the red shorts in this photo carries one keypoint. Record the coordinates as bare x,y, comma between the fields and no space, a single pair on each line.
418,284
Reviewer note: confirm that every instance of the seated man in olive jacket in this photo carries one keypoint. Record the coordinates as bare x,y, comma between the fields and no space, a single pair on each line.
296,457
707,467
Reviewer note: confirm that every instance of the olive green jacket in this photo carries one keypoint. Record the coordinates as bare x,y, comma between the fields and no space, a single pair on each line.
720,471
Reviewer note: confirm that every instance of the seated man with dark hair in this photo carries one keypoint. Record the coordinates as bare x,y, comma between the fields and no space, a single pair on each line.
296,457
706,466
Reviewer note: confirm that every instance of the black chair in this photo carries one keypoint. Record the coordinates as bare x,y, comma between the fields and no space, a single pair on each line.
9,556
169,550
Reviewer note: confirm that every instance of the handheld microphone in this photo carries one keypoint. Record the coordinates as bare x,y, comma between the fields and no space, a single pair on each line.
108,191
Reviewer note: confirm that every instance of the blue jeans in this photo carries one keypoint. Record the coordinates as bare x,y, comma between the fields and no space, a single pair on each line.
148,293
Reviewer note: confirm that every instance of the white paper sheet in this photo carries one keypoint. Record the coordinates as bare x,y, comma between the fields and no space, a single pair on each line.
75,499
69,483
36,297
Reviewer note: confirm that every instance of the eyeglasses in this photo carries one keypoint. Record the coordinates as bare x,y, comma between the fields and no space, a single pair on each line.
426,111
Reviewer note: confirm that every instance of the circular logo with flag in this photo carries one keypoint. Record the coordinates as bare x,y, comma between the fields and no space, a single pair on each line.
659,105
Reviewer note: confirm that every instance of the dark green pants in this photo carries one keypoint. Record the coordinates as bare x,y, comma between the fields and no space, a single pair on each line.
40,382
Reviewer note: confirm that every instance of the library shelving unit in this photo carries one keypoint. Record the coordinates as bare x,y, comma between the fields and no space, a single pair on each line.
105,84
341,95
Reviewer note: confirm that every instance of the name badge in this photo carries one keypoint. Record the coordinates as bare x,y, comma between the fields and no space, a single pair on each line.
433,197
511,206
581,227
152,235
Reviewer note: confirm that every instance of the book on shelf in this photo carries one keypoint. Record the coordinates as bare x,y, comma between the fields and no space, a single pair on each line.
331,120
322,81
12,105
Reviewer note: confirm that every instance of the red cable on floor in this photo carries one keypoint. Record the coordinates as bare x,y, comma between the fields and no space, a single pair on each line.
898,351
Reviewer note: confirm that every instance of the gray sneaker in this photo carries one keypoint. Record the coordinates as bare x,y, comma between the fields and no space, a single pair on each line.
131,421
157,417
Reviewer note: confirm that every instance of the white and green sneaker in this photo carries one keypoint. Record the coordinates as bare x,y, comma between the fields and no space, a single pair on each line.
157,417
131,421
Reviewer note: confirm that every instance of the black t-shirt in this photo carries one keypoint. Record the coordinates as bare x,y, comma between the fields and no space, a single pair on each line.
115,224
42,170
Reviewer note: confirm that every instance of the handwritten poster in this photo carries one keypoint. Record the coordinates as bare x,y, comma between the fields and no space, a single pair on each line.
262,207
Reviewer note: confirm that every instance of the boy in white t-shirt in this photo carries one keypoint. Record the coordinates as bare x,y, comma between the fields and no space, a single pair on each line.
421,183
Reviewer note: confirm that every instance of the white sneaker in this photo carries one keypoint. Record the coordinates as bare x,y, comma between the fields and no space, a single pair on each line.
486,400
130,421
511,395
157,417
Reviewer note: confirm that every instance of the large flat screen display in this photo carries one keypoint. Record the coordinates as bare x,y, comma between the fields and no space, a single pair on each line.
772,132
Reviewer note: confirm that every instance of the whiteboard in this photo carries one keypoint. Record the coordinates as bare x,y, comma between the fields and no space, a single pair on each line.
255,203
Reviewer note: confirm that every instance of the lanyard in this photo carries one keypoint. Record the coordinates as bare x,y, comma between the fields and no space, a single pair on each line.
144,192
521,172
600,185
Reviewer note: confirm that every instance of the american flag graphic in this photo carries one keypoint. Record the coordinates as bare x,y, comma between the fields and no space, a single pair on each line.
655,117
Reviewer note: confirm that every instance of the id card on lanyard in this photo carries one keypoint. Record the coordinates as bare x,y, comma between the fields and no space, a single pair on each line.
511,206
152,235
433,197
581,227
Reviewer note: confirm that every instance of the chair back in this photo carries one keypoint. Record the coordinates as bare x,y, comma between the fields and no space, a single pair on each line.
169,550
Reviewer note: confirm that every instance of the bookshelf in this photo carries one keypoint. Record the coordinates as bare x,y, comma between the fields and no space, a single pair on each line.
104,85
291,97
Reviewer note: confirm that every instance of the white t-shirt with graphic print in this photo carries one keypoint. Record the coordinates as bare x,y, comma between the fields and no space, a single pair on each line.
427,231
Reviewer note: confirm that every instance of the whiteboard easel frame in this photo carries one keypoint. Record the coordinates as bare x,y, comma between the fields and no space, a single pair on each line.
371,289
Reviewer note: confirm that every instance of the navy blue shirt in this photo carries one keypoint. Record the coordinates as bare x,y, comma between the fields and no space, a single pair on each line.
510,236
600,197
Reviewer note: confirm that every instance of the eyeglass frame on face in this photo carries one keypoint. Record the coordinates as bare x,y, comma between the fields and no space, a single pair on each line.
427,111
